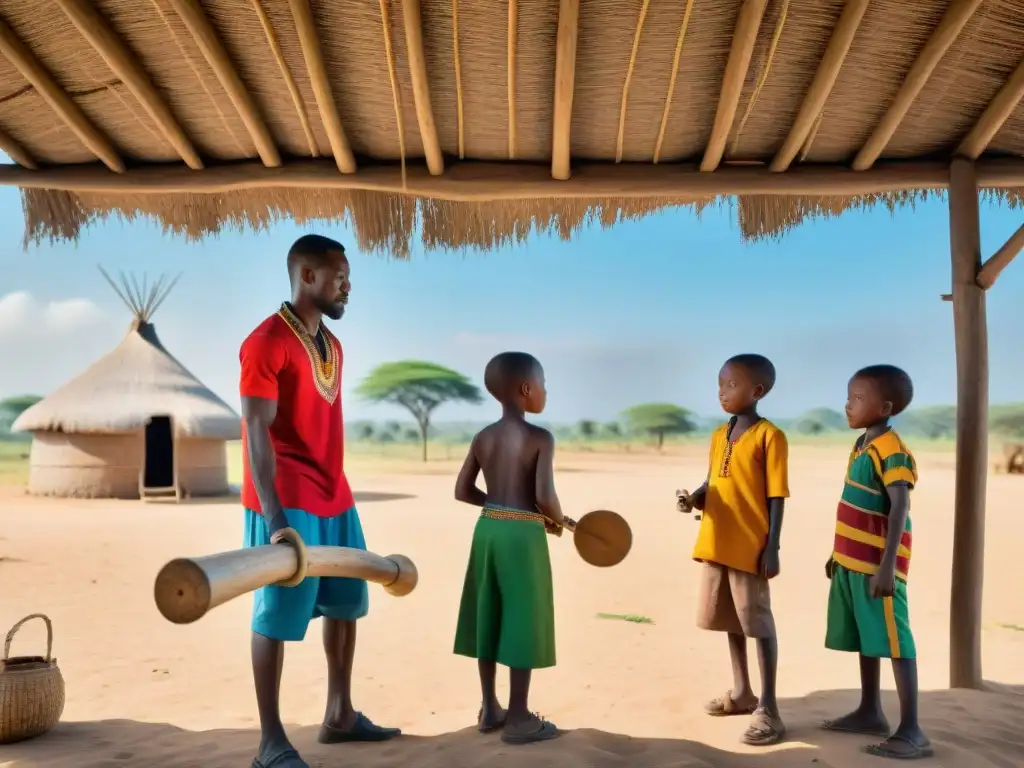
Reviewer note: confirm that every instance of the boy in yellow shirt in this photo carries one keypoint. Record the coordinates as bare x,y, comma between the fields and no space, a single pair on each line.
742,501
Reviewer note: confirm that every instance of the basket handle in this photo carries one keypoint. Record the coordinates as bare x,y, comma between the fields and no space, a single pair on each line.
16,627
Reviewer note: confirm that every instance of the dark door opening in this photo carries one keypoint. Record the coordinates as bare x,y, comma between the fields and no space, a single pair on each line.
159,468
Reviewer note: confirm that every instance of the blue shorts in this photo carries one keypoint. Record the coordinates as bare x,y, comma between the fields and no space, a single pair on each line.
284,613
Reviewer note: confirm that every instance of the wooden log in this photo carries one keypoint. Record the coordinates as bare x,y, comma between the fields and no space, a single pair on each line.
1001,259
996,113
413,23
476,181
186,589
565,84
971,335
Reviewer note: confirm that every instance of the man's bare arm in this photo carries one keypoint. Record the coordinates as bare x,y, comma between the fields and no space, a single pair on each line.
465,486
259,413
547,499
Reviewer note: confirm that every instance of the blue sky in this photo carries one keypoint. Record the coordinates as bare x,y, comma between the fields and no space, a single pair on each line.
644,312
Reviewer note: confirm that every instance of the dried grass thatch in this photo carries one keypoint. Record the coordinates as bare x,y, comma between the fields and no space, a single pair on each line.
135,381
651,85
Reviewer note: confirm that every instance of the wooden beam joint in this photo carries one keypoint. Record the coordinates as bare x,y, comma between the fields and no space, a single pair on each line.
1001,259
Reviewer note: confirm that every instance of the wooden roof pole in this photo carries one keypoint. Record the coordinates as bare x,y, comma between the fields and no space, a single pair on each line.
949,27
421,86
1001,259
513,44
996,113
565,83
821,86
123,63
744,36
313,53
209,43
971,336
16,152
21,56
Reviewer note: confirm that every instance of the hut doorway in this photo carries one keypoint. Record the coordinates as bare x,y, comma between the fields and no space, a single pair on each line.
158,463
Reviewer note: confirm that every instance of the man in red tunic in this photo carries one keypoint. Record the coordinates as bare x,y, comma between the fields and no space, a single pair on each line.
293,442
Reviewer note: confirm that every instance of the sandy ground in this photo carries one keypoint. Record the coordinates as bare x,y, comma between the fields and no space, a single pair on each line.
143,692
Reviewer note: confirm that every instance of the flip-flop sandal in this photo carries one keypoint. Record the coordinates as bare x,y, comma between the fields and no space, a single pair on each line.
363,729
545,732
829,725
725,706
917,751
491,727
287,758
764,730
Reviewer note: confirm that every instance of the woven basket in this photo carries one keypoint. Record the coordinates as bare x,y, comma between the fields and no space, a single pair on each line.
31,689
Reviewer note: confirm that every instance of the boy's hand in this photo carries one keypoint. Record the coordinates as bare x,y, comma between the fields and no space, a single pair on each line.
769,564
552,527
883,583
828,568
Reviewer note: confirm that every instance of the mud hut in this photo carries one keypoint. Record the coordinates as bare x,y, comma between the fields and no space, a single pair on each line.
474,123
135,424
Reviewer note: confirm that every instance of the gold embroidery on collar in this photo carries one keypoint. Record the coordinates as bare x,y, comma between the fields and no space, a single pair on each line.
326,371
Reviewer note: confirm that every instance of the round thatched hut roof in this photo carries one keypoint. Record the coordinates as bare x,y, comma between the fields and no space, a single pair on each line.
469,122
125,388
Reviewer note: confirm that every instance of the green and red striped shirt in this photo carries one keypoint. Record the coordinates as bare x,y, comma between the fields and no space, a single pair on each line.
862,520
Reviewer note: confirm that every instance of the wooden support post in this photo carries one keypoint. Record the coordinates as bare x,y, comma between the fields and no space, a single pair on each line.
970,328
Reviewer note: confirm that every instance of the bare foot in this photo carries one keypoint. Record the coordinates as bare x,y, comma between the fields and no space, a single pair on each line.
867,721
490,718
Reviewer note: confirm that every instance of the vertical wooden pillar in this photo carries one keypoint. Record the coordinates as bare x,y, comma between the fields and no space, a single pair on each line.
970,327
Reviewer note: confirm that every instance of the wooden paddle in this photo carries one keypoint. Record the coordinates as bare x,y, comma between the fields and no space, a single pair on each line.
602,538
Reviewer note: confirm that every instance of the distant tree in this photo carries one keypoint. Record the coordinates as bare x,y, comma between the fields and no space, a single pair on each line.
12,407
411,435
658,420
394,427
1009,423
385,437
365,431
613,428
587,429
419,387
820,420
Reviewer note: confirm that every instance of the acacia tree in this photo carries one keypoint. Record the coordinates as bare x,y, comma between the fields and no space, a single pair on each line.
658,420
419,387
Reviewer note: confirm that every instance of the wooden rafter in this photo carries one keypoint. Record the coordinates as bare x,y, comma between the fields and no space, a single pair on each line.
565,84
16,152
123,63
21,56
744,36
1001,259
944,35
316,67
421,86
996,113
475,181
216,55
624,100
821,86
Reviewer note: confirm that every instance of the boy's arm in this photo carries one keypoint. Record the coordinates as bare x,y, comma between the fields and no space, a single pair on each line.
884,582
699,496
776,450
465,486
547,499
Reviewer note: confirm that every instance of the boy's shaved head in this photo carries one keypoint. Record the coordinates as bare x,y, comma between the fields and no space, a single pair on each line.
894,385
758,367
507,371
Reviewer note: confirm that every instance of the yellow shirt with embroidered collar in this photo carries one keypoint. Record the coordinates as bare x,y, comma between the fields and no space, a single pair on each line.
743,474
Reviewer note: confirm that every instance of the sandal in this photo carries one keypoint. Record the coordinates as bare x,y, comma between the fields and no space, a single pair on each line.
286,758
907,749
545,731
764,730
725,706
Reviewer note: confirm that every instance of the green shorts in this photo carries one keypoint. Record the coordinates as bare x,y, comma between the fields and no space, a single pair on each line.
507,611
870,626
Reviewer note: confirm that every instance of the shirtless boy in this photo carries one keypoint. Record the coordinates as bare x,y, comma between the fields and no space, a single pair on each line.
294,485
507,611
742,500
867,605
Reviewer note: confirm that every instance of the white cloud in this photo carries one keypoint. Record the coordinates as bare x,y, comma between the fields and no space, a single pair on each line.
22,314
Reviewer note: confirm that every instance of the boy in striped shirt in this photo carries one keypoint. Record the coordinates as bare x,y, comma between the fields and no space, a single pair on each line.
867,605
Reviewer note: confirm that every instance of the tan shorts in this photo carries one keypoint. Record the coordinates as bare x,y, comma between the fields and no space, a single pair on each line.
734,601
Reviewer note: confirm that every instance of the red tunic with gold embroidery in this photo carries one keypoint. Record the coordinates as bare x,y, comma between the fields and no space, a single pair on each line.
281,361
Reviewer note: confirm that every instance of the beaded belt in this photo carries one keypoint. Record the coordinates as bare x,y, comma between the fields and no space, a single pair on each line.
505,513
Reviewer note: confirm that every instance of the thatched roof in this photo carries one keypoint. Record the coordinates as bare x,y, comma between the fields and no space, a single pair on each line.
393,112
135,381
